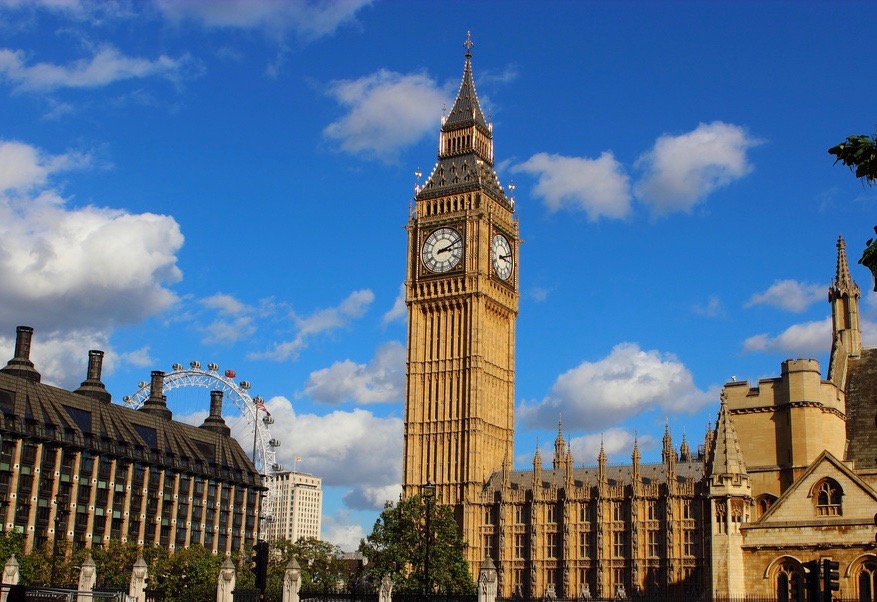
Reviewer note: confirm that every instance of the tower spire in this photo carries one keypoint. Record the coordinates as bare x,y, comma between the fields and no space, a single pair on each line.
843,294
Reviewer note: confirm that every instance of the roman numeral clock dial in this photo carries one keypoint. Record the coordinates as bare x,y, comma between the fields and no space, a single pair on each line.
442,250
501,256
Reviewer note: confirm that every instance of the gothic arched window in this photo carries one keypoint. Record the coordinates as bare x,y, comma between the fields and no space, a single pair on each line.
789,582
763,504
866,582
828,494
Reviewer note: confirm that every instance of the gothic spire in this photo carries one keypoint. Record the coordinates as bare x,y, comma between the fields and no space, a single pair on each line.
843,282
559,446
466,110
465,154
725,457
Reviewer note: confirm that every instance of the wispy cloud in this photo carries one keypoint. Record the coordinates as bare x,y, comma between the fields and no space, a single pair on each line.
713,308
309,19
789,295
399,311
104,67
321,321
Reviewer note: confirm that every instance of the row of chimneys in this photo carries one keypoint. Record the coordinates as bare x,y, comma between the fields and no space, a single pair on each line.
22,367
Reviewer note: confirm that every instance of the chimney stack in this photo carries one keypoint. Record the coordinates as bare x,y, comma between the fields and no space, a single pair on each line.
214,422
157,402
92,385
20,365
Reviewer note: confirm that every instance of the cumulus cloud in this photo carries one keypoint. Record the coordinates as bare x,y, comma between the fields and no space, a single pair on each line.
386,111
310,19
381,380
628,382
599,187
353,449
680,171
372,498
24,167
789,295
323,320
807,339
105,67
66,268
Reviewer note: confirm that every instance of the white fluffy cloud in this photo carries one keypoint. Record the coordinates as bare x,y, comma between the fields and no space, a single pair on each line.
341,530
682,170
790,295
386,111
372,498
353,449
74,269
628,382
381,380
309,18
74,274
106,66
323,320
807,339
599,187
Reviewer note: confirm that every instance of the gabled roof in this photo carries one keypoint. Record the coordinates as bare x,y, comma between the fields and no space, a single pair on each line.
818,465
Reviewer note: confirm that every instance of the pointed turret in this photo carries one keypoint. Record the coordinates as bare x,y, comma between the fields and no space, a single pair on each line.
601,464
635,476
843,294
465,157
559,447
725,459
568,477
684,450
537,474
506,473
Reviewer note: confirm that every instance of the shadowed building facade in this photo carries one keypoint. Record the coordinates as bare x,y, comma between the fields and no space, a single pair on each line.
785,476
76,466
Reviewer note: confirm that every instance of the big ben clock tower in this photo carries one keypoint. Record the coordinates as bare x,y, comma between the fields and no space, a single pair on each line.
462,297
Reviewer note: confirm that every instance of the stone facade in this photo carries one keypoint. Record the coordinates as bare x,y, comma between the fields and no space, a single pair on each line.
786,476
77,466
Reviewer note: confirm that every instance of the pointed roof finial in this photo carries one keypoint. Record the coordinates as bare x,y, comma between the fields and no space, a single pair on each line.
843,281
468,44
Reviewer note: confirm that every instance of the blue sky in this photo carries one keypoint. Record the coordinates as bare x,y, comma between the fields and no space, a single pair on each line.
229,182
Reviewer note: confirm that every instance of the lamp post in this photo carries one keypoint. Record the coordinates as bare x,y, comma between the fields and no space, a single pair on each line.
428,492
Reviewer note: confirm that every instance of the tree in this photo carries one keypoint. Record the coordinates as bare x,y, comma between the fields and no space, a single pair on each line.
190,575
397,547
859,153
320,562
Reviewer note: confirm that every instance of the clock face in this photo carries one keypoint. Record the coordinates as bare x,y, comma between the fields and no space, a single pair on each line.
501,256
442,250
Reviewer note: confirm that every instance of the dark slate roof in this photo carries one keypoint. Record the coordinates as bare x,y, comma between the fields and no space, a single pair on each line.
861,410
467,109
38,410
459,174
587,476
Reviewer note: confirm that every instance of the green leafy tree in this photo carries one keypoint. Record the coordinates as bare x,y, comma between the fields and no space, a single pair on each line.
114,563
397,547
859,153
189,575
320,562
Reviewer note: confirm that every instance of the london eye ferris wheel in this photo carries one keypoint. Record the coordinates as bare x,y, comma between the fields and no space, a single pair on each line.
247,416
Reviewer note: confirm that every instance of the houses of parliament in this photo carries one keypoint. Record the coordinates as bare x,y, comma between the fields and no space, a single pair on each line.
787,475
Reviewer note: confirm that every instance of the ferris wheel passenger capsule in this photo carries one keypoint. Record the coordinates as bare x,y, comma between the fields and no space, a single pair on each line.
177,367
277,467
245,384
126,398
213,367
195,364
274,443
268,420
142,384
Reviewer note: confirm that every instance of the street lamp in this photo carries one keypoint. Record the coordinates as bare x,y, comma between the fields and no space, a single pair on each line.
428,492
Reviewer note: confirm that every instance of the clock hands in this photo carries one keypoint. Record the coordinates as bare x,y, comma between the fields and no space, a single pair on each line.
447,248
